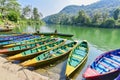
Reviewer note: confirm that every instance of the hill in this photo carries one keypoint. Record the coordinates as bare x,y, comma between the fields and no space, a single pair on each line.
101,6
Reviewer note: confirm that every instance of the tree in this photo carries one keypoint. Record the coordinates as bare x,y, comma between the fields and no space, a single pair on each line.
108,23
2,6
36,15
116,14
13,16
96,18
82,18
105,16
26,12
9,5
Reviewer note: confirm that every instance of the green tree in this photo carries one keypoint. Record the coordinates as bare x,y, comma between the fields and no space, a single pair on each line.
2,6
96,18
82,18
13,16
36,15
9,5
105,16
108,23
27,12
116,14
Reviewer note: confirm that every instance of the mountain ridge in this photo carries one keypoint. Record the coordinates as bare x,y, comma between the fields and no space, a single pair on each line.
102,6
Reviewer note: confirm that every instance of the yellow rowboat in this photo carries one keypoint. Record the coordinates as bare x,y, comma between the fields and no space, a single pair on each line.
76,58
25,42
50,56
36,51
21,48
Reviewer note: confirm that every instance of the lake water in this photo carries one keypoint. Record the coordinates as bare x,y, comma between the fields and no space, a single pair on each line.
100,40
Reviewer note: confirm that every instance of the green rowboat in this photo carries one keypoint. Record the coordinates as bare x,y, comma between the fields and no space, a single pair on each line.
77,57
50,56
21,48
36,51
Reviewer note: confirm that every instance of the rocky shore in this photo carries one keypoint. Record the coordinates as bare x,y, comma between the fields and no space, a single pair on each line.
9,71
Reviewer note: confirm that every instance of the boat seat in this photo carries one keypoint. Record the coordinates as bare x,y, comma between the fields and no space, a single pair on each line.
59,42
58,53
109,63
43,47
112,61
99,69
41,43
118,57
64,48
115,59
40,57
51,45
80,52
105,66
55,49
78,57
74,61
34,50
83,45
17,48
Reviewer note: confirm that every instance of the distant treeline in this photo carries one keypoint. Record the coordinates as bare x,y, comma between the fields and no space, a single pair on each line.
98,19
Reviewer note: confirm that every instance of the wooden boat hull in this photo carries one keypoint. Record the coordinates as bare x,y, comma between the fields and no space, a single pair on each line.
107,76
10,38
35,64
22,57
54,57
5,30
24,42
17,40
54,34
105,67
76,58
12,51
9,53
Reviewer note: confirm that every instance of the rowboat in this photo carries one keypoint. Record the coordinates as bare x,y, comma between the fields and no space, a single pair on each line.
54,34
5,30
18,40
21,48
50,56
105,67
12,44
76,58
35,51
2,39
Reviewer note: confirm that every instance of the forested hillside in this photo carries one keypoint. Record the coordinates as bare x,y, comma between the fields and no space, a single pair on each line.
96,14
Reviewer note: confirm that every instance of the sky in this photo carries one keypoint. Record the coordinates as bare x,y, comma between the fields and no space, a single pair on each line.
48,7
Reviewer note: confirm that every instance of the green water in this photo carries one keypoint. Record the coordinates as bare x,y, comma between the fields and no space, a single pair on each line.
100,40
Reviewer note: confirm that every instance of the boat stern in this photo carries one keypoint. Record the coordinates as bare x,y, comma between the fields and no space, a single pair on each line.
69,70
3,51
28,63
90,73
15,57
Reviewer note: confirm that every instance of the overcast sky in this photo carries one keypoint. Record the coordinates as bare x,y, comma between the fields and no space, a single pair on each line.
48,7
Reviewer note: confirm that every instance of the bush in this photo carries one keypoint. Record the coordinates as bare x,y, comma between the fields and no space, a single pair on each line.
109,23
13,16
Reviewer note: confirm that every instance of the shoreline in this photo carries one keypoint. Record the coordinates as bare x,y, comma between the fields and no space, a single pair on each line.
11,71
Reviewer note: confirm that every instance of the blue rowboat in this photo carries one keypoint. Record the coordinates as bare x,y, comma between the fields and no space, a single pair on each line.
18,40
105,67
